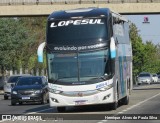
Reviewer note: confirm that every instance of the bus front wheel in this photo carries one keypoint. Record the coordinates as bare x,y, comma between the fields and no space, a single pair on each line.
125,100
114,105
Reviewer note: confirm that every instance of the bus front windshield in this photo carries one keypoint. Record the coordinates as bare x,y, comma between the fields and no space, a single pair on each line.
78,68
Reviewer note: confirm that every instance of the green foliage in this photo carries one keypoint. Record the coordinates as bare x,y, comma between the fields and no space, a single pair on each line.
137,49
145,55
20,38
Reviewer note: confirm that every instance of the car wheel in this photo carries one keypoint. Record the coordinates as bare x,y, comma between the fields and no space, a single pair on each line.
47,100
13,102
43,100
20,103
5,97
61,109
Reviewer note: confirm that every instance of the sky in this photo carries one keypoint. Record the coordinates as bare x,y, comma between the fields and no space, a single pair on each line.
148,31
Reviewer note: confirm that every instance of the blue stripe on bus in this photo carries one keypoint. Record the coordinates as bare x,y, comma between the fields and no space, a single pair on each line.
122,67
113,54
40,58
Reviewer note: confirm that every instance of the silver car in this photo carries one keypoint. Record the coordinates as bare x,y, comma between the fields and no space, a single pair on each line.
155,77
145,78
158,78
8,85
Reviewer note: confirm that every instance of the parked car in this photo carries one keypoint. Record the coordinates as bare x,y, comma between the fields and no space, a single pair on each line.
9,84
145,77
155,77
158,78
30,89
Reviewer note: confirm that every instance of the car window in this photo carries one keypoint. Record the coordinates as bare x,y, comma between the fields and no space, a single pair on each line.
144,75
29,81
44,80
13,79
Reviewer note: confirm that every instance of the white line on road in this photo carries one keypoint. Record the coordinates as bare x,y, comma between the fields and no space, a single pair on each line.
133,106
120,112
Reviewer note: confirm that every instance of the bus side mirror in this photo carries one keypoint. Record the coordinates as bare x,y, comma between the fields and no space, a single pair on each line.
40,51
112,48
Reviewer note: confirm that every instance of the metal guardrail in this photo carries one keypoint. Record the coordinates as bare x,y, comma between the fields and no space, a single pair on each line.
41,2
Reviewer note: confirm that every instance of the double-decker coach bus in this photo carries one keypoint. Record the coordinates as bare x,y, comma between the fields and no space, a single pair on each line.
89,58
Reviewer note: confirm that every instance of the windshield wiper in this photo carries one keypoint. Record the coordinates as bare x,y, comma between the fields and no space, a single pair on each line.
104,77
54,81
97,77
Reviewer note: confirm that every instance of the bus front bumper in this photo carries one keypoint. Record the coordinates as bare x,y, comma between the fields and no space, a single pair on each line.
103,97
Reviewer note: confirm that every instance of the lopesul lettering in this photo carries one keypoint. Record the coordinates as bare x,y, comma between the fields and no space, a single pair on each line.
76,22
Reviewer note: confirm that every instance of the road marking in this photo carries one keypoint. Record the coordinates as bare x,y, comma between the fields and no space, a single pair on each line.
104,120
125,110
120,112
132,106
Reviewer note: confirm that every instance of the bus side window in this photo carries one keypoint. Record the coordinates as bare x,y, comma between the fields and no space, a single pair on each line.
111,27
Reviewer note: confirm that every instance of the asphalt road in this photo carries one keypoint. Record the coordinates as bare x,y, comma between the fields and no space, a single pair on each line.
144,105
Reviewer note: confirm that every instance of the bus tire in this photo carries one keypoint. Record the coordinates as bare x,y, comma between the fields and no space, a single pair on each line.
125,100
61,109
20,103
114,105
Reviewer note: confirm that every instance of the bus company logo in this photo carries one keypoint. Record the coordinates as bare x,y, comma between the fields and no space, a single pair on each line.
77,22
80,94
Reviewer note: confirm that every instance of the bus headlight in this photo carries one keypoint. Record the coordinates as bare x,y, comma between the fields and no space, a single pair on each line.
55,91
106,88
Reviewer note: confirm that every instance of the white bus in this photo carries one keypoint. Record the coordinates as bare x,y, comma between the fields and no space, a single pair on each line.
89,58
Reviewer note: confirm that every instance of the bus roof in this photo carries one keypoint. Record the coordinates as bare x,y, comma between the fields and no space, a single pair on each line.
80,13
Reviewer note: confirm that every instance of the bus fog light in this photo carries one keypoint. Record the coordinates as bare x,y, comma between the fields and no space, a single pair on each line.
54,100
106,97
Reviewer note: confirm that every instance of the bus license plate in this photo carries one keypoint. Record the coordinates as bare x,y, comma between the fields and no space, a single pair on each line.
25,98
80,102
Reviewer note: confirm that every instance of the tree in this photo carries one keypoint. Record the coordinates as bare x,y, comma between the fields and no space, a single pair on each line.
150,56
20,38
146,56
137,50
